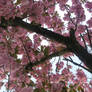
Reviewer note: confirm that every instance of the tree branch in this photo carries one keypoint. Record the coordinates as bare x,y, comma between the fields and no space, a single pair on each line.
74,46
42,31
42,60
83,41
71,43
82,54
89,37
27,54
77,64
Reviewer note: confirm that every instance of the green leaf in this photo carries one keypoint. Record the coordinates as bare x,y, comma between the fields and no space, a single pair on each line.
31,83
36,52
42,90
45,14
37,90
2,43
14,55
43,83
64,89
34,23
80,89
18,61
72,90
23,85
16,50
46,51
42,48
18,2
71,86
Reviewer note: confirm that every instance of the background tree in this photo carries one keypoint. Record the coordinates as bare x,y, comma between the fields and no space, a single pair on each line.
25,24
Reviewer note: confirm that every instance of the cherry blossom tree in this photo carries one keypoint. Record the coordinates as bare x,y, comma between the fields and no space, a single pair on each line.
24,24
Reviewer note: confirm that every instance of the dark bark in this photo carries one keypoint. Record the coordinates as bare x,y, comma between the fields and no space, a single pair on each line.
70,42
42,31
83,55
81,52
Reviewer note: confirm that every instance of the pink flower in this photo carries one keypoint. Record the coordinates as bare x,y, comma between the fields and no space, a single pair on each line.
80,75
65,71
81,29
60,65
91,82
27,89
90,22
89,6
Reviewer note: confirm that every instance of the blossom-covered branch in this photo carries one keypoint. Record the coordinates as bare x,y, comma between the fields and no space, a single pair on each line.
71,42
43,60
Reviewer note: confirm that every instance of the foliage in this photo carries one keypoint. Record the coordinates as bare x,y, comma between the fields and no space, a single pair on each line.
25,24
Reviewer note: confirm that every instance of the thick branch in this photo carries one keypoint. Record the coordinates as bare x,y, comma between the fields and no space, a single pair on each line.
81,52
42,31
71,43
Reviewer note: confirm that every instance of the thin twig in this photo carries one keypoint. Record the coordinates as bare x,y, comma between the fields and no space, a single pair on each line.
89,36
51,56
27,54
83,41
77,64
58,64
9,80
69,15
26,51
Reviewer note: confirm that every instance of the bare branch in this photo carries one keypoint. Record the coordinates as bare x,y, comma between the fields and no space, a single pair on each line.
70,60
89,37
71,43
83,41
9,79
66,6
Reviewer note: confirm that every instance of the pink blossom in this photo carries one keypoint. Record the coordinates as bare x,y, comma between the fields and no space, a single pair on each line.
65,71
80,75
28,89
60,65
1,83
79,12
81,29
90,22
89,6
15,41
90,82
75,1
